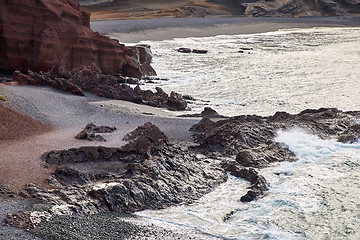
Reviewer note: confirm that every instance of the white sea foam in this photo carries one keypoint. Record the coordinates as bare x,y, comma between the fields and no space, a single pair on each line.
315,197
288,70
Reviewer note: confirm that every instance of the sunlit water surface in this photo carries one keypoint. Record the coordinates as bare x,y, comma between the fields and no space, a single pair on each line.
317,197
288,70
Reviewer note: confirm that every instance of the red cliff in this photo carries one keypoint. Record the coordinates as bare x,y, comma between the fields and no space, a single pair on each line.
42,35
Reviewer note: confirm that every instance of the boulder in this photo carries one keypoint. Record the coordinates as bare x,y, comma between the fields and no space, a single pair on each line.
184,50
200,51
44,35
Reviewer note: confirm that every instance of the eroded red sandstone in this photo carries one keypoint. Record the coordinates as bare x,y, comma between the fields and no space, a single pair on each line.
42,35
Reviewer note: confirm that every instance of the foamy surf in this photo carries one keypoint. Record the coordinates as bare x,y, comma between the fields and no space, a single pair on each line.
286,70
313,198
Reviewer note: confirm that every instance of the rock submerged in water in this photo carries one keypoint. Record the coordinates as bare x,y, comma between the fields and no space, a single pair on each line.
188,50
46,35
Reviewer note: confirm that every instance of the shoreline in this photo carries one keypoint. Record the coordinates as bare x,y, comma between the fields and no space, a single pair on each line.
133,31
126,121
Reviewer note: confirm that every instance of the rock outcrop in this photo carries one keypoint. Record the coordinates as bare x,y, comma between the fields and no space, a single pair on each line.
151,173
90,79
89,132
44,35
146,173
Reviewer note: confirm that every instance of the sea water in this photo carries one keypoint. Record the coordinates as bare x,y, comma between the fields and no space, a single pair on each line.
316,197
287,70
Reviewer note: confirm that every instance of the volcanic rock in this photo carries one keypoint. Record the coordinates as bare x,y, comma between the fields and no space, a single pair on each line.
258,183
200,51
252,138
88,133
150,173
184,50
90,79
45,35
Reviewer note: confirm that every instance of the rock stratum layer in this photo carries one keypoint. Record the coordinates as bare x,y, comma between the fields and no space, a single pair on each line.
43,35
111,9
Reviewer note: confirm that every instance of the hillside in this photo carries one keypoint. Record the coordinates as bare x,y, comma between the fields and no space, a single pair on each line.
135,9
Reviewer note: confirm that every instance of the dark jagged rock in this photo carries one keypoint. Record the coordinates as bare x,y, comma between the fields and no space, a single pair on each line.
89,132
6,192
21,220
258,183
206,113
251,138
146,173
38,79
184,50
146,140
90,79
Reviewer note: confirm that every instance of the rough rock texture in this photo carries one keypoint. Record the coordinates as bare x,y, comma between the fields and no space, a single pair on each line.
151,173
146,173
43,35
90,79
258,183
88,133
251,138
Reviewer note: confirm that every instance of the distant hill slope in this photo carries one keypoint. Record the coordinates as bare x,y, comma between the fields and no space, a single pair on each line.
132,9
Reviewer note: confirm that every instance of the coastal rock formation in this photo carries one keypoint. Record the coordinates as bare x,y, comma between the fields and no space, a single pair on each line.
46,35
90,79
251,139
146,173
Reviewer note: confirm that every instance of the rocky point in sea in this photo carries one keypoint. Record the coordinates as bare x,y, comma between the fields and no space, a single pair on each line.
150,172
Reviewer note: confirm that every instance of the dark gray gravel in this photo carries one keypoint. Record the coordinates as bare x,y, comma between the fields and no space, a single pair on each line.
10,233
103,226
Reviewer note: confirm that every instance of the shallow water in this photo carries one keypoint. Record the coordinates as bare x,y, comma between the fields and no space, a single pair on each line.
288,70
316,197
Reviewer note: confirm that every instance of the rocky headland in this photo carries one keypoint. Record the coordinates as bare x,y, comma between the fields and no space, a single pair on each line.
53,35
112,9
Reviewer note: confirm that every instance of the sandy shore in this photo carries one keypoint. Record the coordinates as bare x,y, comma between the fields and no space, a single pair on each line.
21,162
133,31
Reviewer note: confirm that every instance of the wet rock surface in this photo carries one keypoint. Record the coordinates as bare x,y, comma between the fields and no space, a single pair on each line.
149,172
251,138
90,79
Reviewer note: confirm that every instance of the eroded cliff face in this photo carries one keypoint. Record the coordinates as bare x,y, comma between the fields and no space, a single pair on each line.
274,8
42,35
